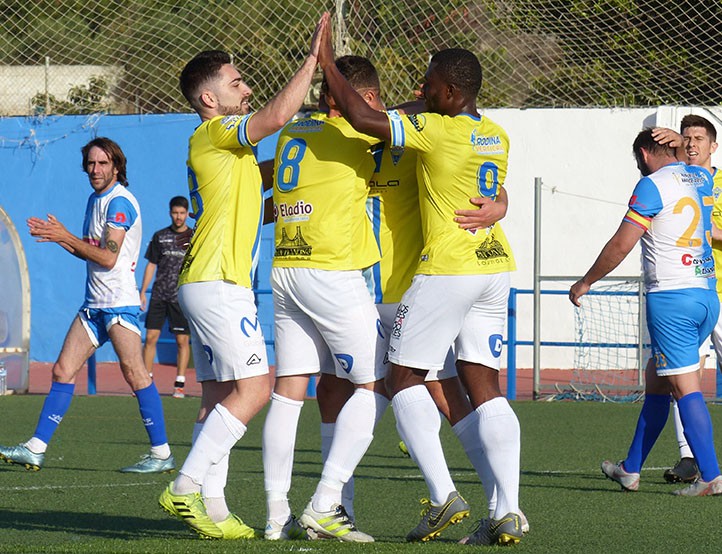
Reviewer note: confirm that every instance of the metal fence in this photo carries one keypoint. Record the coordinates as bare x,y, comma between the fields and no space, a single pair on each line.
124,56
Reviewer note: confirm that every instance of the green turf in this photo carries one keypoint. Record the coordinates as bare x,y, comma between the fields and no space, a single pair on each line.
79,503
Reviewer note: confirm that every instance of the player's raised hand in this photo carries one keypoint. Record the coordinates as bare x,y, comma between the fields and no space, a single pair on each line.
321,26
325,51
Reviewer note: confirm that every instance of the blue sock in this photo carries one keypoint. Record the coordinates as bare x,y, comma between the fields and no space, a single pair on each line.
698,429
151,410
54,409
652,420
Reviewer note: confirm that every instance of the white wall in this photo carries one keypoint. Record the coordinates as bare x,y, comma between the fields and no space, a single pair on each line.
584,157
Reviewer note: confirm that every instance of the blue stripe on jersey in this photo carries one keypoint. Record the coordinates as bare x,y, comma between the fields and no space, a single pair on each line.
86,219
121,213
373,208
243,139
255,250
397,128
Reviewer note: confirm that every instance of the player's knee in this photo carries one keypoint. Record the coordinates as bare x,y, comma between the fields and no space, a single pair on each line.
63,373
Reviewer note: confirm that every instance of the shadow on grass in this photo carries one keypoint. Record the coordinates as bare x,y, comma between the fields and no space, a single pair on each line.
91,524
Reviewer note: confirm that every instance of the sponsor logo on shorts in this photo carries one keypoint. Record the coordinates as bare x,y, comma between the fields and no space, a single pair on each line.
495,342
380,329
252,324
253,360
345,361
401,313
209,353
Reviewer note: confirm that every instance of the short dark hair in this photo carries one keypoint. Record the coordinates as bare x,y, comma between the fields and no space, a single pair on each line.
692,120
113,151
646,140
459,67
202,68
179,201
358,71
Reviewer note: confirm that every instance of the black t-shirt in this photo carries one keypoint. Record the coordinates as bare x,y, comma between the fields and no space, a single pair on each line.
166,250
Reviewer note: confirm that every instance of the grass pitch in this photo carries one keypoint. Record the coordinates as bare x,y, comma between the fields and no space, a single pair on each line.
80,503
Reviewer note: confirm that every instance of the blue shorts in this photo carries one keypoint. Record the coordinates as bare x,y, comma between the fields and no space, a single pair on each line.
679,321
97,321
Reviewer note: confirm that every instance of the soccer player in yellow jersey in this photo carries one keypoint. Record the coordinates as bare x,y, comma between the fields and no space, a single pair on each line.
215,280
461,285
324,315
695,145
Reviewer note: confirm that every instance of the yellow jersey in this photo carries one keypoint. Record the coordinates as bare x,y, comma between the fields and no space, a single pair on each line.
717,220
457,158
320,185
226,197
393,207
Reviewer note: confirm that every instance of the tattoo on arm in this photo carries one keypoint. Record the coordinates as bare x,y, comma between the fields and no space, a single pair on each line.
112,246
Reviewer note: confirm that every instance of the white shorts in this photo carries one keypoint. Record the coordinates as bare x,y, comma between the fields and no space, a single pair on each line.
438,310
323,320
226,337
387,315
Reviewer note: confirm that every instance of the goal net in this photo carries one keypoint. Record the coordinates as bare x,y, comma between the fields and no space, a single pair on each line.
610,340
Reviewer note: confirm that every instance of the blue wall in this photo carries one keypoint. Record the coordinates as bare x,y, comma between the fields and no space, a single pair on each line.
41,174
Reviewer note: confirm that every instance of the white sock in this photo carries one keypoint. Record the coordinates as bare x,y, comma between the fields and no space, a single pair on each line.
214,484
219,433
352,436
279,441
348,492
418,422
36,445
467,431
501,440
684,450
161,451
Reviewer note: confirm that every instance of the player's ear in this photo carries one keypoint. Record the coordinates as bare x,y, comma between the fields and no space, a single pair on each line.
208,99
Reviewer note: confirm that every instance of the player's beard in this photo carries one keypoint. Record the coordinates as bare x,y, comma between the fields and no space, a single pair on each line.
243,109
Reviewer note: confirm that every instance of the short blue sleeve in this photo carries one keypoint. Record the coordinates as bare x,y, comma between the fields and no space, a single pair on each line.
121,213
645,199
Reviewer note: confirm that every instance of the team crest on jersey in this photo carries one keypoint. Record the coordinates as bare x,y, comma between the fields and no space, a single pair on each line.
296,247
418,121
486,145
491,251
716,192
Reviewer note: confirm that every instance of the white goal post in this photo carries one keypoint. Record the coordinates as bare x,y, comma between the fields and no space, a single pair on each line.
14,307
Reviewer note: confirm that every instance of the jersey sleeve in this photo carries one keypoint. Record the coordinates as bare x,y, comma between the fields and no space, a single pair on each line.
644,204
230,132
152,254
415,131
121,214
